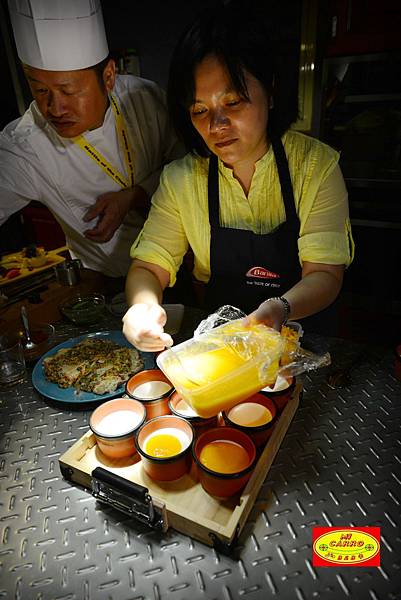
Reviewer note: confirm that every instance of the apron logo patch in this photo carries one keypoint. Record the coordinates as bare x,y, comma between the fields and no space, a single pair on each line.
262,273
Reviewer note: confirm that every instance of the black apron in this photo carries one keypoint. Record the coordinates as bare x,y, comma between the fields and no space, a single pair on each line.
248,268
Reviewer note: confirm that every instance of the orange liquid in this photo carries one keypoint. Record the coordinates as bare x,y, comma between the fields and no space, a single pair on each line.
224,456
250,414
163,445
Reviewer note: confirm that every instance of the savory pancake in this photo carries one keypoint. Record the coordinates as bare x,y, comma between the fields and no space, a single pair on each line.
94,365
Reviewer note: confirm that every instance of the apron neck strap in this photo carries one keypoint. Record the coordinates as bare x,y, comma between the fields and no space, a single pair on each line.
213,191
285,180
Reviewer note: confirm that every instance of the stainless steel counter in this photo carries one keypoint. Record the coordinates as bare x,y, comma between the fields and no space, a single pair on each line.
339,465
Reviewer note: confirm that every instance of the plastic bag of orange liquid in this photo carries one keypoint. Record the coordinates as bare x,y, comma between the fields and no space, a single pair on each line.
227,361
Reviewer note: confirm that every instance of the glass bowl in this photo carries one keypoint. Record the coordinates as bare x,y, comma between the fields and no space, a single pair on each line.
84,309
42,335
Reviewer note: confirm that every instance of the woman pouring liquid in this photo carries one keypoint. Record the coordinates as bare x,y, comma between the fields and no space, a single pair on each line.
263,208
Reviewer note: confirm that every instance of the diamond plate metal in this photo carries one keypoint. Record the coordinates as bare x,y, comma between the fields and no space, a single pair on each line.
339,465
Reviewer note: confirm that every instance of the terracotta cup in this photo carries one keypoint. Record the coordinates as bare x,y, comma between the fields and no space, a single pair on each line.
259,434
218,484
172,467
180,408
281,397
114,424
157,404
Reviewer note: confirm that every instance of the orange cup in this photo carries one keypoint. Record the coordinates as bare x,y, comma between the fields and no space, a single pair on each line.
222,484
168,468
114,424
259,434
153,389
180,408
280,397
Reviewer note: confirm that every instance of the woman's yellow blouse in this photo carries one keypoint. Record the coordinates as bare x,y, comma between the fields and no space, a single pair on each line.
179,214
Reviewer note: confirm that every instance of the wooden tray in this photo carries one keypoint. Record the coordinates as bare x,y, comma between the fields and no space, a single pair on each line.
184,504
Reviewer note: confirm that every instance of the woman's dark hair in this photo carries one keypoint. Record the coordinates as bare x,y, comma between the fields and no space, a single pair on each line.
241,44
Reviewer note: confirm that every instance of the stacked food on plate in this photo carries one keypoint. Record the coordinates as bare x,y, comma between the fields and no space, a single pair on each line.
93,365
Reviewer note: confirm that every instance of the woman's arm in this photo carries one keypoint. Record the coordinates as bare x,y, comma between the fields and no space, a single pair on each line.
318,288
144,321
324,237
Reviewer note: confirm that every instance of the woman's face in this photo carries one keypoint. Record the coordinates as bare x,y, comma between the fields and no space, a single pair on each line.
231,126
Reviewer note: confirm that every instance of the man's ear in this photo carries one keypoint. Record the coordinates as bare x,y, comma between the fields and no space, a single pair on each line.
109,75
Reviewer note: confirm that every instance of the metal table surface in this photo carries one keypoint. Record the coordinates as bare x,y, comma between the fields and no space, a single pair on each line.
339,465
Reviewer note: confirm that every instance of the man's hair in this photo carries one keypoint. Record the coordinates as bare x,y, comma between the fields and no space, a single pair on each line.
241,44
99,68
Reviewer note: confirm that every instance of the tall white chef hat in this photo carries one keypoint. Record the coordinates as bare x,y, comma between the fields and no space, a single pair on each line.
59,35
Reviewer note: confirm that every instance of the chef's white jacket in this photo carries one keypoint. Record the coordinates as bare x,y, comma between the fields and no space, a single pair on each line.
37,164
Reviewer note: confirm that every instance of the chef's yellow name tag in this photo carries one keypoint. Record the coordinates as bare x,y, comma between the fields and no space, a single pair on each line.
346,546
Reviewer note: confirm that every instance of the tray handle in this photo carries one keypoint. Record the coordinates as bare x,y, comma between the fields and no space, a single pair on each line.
128,497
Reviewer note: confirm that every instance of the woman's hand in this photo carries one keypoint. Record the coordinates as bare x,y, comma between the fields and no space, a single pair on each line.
318,288
271,312
143,327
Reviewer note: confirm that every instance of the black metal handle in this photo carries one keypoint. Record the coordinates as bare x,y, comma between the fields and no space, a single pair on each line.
139,492
128,497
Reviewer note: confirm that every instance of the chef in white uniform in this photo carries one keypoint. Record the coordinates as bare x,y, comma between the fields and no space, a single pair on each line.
91,145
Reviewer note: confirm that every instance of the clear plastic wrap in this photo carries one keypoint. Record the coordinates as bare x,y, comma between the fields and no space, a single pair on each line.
227,361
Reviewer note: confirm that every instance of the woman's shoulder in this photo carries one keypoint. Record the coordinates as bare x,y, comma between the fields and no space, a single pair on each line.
304,147
186,169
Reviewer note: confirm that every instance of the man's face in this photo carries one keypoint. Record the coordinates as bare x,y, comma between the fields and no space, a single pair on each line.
71,101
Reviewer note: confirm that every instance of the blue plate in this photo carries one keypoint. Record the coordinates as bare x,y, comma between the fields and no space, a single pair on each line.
70,394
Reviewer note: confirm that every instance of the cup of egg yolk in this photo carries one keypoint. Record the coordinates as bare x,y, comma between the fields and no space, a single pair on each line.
224,459
164,445
255,416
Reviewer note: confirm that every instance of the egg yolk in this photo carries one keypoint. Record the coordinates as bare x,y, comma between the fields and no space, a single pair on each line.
163,445
224,456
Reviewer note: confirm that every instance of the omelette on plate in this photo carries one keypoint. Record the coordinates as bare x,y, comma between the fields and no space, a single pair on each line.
94,365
